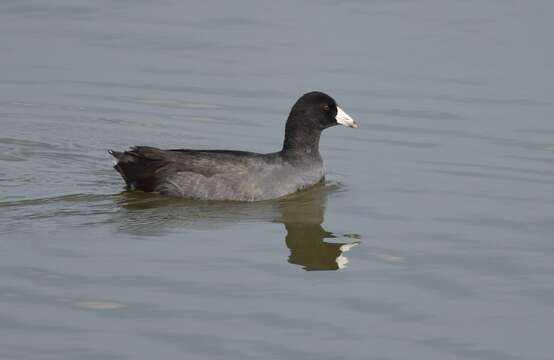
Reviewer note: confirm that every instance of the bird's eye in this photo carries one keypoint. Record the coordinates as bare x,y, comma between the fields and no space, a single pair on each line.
326,107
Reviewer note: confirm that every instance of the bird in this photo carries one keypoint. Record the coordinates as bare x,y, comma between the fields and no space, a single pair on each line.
231,175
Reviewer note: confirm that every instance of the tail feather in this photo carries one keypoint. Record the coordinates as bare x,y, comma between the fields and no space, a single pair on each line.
115,154
136,168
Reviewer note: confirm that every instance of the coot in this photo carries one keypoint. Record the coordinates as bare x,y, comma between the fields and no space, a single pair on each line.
239,175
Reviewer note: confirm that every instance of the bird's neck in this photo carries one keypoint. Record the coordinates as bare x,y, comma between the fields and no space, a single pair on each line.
301,143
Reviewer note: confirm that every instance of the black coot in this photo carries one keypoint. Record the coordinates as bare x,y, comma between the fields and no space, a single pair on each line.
239,175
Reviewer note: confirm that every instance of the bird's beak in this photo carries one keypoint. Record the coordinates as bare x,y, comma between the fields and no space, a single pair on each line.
345,119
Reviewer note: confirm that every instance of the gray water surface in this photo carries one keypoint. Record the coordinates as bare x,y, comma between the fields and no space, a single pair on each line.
432,237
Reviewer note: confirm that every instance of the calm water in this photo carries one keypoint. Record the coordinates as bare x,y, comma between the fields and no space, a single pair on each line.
432,238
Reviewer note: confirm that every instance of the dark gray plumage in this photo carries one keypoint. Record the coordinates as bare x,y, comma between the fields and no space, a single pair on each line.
239,175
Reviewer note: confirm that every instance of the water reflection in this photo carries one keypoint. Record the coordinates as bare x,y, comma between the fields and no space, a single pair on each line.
302,217
301,214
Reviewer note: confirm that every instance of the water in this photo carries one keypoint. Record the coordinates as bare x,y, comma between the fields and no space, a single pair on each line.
432,238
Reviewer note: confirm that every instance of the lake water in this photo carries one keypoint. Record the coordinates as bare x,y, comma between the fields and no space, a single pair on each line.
431,239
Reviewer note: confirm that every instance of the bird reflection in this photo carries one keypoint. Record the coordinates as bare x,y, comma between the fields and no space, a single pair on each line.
302,215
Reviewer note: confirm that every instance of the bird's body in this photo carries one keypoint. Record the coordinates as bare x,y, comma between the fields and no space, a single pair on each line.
216,174
237,175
